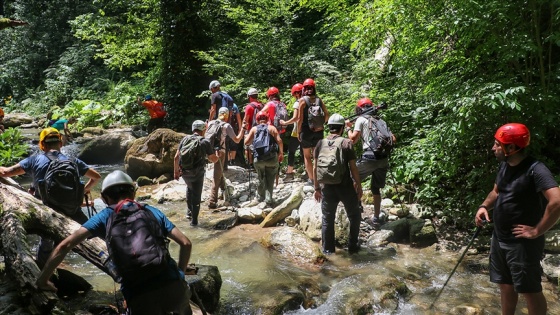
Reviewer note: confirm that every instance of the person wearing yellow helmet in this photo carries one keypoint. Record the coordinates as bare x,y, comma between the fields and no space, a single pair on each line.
525,203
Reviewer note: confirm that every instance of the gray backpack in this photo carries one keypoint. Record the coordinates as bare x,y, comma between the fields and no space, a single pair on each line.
331,166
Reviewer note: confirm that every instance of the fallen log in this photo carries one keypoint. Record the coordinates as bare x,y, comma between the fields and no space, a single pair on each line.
284,209
22,214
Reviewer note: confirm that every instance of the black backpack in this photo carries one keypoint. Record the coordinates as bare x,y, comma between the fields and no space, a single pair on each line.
136,242
281,113
263,147
61,188
381,138
214,134
191,152
315,114
227,101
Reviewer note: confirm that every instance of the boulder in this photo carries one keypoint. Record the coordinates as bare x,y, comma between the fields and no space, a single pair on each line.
294,245
16,119
107,148
153,155
552,241
551,267
416,232
310,218
206,285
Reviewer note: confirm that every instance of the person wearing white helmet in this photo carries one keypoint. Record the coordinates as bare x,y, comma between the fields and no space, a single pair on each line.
162,293
249,120
190,162
336,179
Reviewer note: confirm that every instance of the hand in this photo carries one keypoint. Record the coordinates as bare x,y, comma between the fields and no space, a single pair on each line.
358,188
282,122
349,124
191,270
280,157
299,137
524,231
481,216
48,286
318,195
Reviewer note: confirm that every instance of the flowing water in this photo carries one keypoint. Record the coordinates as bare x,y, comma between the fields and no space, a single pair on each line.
255,278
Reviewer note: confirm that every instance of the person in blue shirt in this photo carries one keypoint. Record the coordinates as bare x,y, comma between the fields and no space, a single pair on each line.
62,126
165,293
50,142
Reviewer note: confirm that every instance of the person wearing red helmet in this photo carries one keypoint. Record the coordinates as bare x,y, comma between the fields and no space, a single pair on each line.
372,162
526,203
249,119
268,152
294,141
276,109
312,115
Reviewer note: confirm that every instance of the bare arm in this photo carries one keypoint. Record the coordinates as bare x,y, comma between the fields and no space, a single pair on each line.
94,177
301,108
325,110
57,256
549,219
356,177
240,134
185,247
176,168
239,123
212,112
250,136
13,170
294,118
482,213
276,136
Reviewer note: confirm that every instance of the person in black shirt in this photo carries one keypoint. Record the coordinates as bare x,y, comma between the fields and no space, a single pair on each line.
526,203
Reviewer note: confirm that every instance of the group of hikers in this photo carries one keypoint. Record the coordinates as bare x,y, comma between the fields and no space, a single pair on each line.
525,200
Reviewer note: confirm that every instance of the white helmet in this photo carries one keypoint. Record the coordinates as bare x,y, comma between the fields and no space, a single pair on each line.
116,178
336,119
252,91
214,84
198,125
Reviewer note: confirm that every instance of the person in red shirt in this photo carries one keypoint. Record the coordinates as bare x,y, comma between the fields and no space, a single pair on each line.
251,109
156,111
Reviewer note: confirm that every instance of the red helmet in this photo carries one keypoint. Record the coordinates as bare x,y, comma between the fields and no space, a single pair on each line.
273,90
515,133
363,102
298,87
309,82
261,116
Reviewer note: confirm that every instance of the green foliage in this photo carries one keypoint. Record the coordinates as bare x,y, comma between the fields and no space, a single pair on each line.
12,146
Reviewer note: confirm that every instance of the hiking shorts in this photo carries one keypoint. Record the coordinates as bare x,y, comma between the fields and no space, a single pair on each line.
378,171
231,145
309,138
518,264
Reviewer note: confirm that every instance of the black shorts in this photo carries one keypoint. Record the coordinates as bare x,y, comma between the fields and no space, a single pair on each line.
231,145
518,264
309,139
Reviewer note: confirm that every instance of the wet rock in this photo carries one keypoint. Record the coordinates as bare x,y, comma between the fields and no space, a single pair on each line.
414,231
310,217
107,148
379,239
466,310
551,267
206,284
144,181
552,241
16,119
294,245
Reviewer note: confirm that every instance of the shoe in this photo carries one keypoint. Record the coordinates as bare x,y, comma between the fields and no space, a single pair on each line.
194,223
189,215
327,252
309,182
374,222
212,205
288,177
353,249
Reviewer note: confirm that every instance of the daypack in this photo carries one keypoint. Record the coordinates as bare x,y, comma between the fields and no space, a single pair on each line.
191,152
214,133
381,139
331,166
263,147
61,188
256,109
136,242
281,113
315,114
227,101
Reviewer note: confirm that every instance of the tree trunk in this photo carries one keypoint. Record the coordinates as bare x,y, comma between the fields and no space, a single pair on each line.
22,214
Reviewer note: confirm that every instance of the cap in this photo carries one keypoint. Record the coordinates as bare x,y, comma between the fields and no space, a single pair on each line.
223,110
336,119
50,135
214,84
252,91
198,125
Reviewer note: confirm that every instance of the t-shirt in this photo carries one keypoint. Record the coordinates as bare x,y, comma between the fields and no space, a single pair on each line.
155,109
59,124
97,225
348,153
250,112
36,166
216,98
294,131
365,128
520,196
271,111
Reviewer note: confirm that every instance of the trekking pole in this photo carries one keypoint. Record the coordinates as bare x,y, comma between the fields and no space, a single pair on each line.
478,229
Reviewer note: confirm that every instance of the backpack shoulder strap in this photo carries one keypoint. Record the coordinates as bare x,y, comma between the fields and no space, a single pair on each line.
307,101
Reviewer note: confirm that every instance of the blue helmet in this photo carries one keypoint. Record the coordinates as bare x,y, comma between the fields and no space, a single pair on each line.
148,97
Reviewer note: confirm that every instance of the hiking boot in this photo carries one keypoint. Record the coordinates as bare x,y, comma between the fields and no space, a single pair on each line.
374,222
189,215
212,205
194,223
309,182
288,177
353,249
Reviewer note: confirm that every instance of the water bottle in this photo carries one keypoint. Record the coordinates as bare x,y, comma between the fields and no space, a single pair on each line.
110,265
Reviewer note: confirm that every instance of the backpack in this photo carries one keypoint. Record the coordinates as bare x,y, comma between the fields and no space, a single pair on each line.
214,133
331,165
315,114
61,188
227,101
263,148
136,242
256,109
191,152
281,113
381,139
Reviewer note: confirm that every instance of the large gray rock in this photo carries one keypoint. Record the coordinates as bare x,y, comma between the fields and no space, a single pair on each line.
294,245
107,148
206,285
16,119
416,232
310,217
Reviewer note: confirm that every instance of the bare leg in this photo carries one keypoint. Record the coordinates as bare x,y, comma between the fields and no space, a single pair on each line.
508,298
536,303
308,162
376,205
